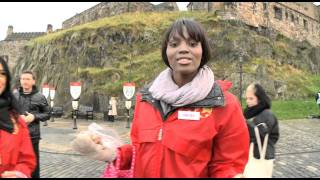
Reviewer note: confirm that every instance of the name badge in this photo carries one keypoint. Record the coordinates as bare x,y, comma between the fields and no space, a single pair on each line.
188,115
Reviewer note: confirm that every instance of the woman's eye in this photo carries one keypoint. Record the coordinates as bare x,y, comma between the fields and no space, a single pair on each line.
193,43
173,44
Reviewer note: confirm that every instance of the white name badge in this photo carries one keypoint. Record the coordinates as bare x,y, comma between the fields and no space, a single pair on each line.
188,115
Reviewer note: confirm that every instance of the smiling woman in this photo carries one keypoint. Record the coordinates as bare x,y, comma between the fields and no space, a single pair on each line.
183,53
185,123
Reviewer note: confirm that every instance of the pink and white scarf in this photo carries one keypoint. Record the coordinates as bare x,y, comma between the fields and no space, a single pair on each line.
166,90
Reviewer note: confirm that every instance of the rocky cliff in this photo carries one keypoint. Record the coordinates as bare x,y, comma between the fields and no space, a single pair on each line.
105,53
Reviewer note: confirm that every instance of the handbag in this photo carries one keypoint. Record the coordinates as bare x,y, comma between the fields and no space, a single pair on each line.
259,168
113,171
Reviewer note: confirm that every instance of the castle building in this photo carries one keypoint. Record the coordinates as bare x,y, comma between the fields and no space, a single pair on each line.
11,48
107,9
296,20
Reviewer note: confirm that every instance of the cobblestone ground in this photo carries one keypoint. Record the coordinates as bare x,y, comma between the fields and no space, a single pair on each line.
298,150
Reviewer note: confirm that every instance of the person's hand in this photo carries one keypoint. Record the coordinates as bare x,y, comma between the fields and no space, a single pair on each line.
24,118
239,176
90,145
28,118
9,174
96,139
13,174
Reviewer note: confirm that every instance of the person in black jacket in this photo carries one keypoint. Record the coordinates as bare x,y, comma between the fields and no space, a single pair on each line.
318,98
35,109
258,113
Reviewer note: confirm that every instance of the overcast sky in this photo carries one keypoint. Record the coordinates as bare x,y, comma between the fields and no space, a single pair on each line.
34,16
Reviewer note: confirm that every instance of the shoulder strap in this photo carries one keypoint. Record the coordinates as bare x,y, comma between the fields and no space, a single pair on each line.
263,149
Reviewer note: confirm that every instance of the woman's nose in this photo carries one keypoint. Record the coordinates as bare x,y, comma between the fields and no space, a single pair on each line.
183,49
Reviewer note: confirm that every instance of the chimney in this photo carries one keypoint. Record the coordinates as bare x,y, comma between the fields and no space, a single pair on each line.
49,28
10,30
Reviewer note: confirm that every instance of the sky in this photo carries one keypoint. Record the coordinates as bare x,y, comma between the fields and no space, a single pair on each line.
35,16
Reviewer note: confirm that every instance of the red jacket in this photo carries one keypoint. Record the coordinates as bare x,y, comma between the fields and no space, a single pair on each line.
217,145
16,151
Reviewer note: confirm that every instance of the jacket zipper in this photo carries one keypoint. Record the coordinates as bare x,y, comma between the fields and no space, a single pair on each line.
160,134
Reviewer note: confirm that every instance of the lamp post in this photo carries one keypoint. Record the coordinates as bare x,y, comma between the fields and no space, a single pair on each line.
75,91
240,80
45,92
52,93
101,48
128,91
129,75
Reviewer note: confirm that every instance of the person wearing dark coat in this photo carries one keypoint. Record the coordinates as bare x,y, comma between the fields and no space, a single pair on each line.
35,108
258,113
318,98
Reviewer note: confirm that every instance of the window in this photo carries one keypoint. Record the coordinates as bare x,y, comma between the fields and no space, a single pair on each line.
305,24
286,15
209,6
230,5
265,6
254,7
277,13
297,20
292,18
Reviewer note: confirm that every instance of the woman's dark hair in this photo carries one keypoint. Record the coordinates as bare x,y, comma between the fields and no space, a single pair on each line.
195,31
7,94
263,98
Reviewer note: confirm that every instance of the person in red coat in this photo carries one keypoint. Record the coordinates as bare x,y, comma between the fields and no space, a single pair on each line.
185,123
17,159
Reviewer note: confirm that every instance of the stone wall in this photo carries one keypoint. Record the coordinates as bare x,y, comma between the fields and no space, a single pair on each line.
307,8
281,17
167,6
12,50
299,21
318,11
106,9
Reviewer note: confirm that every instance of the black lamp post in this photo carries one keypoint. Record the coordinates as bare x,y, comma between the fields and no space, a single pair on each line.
75,91
240,80
52,94
101,48
128,91
45,92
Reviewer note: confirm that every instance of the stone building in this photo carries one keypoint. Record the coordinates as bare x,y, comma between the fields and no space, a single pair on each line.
11,48
107,9
296,20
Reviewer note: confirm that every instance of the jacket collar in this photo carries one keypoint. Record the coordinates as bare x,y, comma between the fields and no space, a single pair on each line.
34,90
214,99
